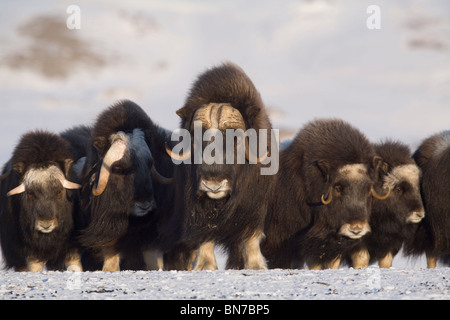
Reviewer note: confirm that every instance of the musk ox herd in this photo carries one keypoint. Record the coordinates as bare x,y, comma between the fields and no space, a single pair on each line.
121,194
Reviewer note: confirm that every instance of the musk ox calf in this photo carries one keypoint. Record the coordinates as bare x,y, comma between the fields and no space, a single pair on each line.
321,204
36,213
222,202
393,220
124,192
433,236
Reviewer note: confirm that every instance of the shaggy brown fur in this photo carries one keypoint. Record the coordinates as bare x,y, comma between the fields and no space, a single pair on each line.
433,238
42,200
299,227
389,218
232,220
112,228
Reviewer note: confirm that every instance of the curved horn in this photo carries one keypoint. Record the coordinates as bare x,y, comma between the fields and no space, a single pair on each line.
17,190
160,178
115,153
69,185
377,196
249,155
175,156
330,197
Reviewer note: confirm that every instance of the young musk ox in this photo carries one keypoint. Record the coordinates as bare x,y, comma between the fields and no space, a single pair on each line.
395,219
433,236
124,190
36,214
222,203
323,192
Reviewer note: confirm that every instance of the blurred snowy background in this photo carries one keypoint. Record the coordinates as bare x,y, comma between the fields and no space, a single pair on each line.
308,59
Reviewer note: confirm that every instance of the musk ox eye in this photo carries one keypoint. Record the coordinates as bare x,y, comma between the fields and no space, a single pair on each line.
338,189
117,169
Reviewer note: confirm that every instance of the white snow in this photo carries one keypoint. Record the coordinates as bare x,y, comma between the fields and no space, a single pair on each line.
308,59
277,284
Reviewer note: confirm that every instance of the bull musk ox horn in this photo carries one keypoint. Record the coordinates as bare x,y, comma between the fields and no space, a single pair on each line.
115,153
65,183
159,177
249,155
329,197
175,156
377,196
224,116
219,116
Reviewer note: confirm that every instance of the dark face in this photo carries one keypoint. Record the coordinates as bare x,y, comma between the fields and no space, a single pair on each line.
126,172
349,207
213,175
222,143
44,199
405,199
143,198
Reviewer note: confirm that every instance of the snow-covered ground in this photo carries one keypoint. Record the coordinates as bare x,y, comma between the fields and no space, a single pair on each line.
308,58
277,284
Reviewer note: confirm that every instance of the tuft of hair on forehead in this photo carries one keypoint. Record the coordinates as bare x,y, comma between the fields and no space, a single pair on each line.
42,175
334,141
394,153
226,83
40,146
407,172
353,171
123,116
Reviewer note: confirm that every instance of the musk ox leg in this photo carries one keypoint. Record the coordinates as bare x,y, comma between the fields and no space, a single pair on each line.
35,265
73,261
154,259
431,261
315,267
191,260
386,261
179,258
253,258
206,259
335,263
360,258
111,262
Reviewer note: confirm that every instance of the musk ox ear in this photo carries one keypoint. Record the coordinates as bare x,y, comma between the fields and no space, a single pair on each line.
67,166
324,168
100,144
379,166
385,167
19,168
181,113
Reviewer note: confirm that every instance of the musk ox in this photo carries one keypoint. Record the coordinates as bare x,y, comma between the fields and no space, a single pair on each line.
433,236
222,202
324,187
36,213
393,220
124,190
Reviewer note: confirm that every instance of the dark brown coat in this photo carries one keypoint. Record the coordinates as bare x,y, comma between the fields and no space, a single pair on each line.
237,219
328,160
394,220
433,236
37,205
123,218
